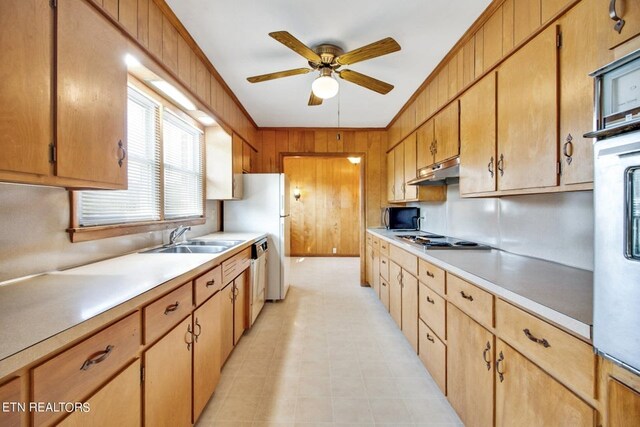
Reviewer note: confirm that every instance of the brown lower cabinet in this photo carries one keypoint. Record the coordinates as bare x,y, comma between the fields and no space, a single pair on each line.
226,322
240,306
233,314
10,392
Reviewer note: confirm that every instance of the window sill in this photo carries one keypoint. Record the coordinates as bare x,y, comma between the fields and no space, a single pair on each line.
84,234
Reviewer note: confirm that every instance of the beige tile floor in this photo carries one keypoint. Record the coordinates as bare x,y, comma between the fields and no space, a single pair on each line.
329,355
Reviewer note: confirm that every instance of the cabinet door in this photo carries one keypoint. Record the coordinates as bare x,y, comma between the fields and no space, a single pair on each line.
424,141
25,93
246,157
478,137
398,170
118,403
384,293
469,369
167,390
226,322
236,154
446,131
395,293
91,97
623,405
369,265
527,396
629,10
391,176
375,275
240,306
11,392
206,353
582,52
410,309
410,191
527,116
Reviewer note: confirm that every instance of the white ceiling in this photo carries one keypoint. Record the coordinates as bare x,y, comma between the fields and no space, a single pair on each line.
234,36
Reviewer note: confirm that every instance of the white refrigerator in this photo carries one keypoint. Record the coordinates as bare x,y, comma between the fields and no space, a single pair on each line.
265,208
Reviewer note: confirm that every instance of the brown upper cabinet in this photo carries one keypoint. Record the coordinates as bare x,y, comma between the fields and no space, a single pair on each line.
224,164
627,10
424,141
410,191
446,133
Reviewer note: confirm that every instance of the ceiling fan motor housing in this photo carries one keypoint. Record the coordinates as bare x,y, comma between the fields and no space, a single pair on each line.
327,52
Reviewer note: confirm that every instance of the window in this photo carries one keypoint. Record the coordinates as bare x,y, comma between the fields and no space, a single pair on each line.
165,176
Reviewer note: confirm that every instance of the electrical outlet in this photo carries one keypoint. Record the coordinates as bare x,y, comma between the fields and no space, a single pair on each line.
335,251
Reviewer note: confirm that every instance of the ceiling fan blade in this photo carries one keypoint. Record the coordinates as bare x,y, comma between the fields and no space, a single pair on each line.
365,81
278,75
296,45
373,50
314,100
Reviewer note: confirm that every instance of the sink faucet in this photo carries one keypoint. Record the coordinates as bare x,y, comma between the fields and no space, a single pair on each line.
175,234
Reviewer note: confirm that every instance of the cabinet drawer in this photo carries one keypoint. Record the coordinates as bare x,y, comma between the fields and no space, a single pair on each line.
168,311
11,392
384,293
431,276
404,259
369,239
472,300
562,355
208,284
433,354
235,265
433,310
384,247
74,374
384,267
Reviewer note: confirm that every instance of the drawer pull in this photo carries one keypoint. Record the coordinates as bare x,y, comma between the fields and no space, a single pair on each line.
96,358
430,274
486,351
500,373
171,308
384,262
430,338
211,283
384,284
543,342
429,300
465,296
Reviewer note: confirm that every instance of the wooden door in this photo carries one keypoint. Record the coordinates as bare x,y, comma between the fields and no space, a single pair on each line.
167,390
424,148
629,10
528,396
410,309
410,191
25,92
206,353
236,158
581,52
446,132
478,137
11,391
527,116
398,170
118,403
623,405
395,293
226,322
391,176
91,105
240,306
469,369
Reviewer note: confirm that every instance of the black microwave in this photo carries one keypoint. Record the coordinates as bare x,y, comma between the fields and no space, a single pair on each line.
402,218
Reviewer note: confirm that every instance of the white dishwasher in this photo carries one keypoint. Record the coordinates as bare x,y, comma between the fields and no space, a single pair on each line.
259,253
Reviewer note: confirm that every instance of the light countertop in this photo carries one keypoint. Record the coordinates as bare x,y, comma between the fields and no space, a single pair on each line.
561,294
37,308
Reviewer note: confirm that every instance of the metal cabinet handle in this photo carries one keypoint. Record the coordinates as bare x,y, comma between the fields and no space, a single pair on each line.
384,262
567,149
383,284
500,373
613,14
429,300
490,167
430,274
500,165
211,283
486,351
543,342
435,147
465,296
171,308
188,334
393,189
123,151
232,295
196,335
430,338
96,358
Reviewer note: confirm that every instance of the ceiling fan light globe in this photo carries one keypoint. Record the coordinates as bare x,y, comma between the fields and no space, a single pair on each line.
325,87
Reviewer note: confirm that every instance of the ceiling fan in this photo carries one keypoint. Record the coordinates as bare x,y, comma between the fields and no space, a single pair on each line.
327,59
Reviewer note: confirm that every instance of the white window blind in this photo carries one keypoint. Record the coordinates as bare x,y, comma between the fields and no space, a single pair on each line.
141,201
183,168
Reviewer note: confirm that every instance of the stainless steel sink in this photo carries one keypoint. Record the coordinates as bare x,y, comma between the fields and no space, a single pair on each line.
225,243
196,247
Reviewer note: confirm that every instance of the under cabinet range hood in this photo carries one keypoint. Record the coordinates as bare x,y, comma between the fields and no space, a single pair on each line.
438,174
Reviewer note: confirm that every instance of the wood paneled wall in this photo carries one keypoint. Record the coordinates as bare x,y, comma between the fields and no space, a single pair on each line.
327,216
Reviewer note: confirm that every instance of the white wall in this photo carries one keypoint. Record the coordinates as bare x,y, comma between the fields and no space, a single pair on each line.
556,227
33,239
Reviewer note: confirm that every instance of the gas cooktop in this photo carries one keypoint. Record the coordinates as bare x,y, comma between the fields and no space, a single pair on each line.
437,241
